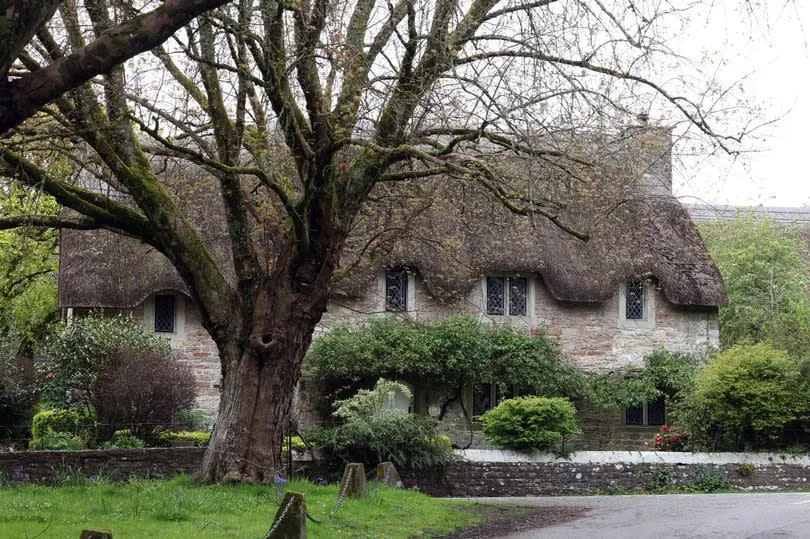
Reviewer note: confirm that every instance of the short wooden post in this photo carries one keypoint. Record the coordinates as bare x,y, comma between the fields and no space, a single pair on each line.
353,482
387,474
96,534
291,518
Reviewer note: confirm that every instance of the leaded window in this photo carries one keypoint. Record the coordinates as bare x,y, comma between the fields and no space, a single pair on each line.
634,415
164,314
396,291
517,296
507,294
634,300
487,396
656,412
496,295
652,413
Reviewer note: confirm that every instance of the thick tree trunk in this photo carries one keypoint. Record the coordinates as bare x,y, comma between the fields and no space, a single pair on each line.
262,368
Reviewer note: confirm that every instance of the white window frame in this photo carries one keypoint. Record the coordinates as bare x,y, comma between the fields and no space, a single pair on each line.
648,320
530,298
179,332
410,299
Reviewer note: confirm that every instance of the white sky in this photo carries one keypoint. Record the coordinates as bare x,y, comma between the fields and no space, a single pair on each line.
773,47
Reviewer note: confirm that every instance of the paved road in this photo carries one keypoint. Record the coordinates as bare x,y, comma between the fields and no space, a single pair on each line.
751,516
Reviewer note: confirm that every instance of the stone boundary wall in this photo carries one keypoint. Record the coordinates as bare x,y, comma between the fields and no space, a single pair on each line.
479,473
505,473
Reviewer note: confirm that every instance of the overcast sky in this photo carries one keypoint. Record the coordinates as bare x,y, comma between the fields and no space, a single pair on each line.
773,48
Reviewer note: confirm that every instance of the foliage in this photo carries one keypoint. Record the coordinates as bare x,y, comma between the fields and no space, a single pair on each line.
749,393
530,423
143,390
746,469
374,432
50,439
181,506
666,373
119,373
18,394
199,438
669,440
123,442
451,351
660,479
765,267
74,422
709,481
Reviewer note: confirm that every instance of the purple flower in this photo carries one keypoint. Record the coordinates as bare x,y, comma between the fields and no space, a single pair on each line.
278,480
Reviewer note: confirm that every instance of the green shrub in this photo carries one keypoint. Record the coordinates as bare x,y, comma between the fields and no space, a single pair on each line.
660,479
373,431
120,373
56,440
530,423
750,392
17,396
451,351
123,442
745,469
708,481
199,438
61,421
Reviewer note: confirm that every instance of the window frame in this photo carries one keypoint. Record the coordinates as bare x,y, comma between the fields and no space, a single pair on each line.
495,395
645,414
647,321
158,300
405,277
506,303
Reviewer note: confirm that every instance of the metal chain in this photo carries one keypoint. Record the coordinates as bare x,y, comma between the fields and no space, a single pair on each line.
343,494
277,523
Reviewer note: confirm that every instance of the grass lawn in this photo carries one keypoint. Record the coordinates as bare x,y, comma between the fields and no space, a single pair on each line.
183,508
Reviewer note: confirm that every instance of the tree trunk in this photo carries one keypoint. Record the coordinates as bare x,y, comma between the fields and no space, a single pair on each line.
260,372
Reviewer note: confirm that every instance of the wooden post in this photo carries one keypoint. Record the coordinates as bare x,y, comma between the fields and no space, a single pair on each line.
387,474
291,518
96,534
353,482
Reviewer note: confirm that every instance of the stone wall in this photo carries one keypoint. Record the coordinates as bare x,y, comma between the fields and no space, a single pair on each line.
501,473
479,473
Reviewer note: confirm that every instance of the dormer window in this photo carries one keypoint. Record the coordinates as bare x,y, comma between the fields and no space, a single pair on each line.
396,291
164,313
634,300
507,295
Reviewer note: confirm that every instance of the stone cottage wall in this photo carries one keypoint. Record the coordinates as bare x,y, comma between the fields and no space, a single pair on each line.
193,346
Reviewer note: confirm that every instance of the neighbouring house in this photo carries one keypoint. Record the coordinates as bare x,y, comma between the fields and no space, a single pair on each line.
642,281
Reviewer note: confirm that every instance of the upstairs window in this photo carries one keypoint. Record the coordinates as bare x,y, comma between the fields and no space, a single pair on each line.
164,314
507,295
396,291
634,300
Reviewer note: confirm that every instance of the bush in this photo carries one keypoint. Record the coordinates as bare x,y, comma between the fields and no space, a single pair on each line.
708,481
530,423
60,421
750,392
375,432
17,397
198,438
451,351
56,441
669,440
124,376
123,442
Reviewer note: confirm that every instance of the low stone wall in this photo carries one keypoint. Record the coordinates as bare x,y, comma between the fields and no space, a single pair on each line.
505,473
479,473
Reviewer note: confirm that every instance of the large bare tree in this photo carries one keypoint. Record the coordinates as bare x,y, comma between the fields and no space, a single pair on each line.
305,111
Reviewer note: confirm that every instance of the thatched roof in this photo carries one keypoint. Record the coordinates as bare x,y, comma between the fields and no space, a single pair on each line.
451,234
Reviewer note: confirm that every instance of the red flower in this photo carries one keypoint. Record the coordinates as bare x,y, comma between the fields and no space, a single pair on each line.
50,374
664,429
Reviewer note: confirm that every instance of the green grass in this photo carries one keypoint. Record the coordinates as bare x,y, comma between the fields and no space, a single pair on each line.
184,508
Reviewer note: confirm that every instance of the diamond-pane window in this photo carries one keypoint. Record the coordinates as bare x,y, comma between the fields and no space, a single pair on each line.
634,416
164,314
496,295
656,412
634,300
396,291
517,296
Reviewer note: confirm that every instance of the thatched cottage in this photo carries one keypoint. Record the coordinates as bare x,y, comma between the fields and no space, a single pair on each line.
642,281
